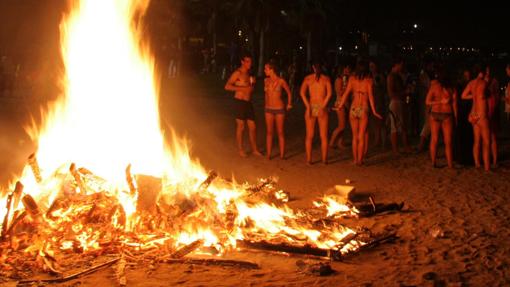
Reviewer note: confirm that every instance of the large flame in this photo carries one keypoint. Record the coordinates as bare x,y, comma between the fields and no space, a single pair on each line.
107,121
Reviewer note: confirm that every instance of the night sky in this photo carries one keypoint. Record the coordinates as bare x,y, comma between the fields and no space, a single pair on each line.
32,25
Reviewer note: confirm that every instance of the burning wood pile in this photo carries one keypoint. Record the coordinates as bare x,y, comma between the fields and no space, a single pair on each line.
108,187
84,220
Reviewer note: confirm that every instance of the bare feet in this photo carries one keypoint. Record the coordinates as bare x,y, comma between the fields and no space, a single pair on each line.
257,153
242,153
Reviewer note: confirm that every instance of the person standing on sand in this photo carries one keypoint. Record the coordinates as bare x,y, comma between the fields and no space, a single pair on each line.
507,93
397,94
241,83
318,87
361,87
381,105
275,108
442,98
493,100
341,80
477,91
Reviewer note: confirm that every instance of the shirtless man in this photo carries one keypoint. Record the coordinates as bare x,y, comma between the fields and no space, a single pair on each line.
476,90
361,87
396,92
241,83
318,86
275,108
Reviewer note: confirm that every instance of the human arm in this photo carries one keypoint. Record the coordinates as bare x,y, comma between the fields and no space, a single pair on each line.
467,94
230,85
346,93
289,94
328,93
302,93
371,99
338,90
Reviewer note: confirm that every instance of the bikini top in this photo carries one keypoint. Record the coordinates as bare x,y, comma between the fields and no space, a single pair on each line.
273,87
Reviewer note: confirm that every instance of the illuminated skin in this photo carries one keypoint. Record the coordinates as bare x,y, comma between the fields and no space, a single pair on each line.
337,135
362,97
441,100
475,90
397,96
493,105
242,85
273,100
319,89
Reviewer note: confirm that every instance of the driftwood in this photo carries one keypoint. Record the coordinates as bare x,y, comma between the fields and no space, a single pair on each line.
69,277
6,217
211,261
34,165
121,271
30,205
15,220
283,247
187,249
130,180
210,178
77,177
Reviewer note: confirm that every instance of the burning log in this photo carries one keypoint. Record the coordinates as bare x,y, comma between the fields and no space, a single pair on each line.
6,217
130,180
215,262
16,197
283,247
34,165
121,271
77,178
210,178
69,277
30,205
12,201
15,220
187,249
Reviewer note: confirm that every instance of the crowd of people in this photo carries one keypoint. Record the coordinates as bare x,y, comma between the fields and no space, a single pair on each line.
364,96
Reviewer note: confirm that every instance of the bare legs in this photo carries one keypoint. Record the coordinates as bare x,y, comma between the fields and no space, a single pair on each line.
310,130
359,139
252,132
481,133
338,134
494,148
270,121
447,127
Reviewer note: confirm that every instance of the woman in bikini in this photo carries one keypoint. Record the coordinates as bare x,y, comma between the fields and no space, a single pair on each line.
442,98
360,85
340,85
476,90
275,108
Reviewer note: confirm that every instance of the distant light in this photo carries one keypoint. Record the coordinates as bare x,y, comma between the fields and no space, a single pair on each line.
246,39
239,33
411,48
458,49
340,48
415,26
431,48
356,47
300,47
404,48
283,12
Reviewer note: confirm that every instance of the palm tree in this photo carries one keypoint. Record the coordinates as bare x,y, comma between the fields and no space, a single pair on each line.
259,16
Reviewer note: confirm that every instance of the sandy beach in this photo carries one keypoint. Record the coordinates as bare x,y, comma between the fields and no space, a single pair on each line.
452,231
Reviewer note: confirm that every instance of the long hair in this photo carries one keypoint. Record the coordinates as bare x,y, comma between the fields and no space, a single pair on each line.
361,72
272,65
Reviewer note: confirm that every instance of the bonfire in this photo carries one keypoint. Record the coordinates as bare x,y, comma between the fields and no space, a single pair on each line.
103,182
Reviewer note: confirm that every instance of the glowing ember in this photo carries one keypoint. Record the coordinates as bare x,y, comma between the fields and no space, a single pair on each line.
107,121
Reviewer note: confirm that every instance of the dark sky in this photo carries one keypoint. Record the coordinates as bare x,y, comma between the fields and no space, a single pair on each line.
32,25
